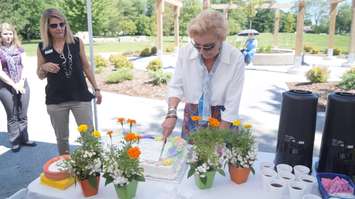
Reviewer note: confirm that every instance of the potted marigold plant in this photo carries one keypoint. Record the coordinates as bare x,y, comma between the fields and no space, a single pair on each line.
240,152
121,166
206,158
85,163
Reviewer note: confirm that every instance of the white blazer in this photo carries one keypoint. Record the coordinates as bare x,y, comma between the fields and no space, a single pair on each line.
226,83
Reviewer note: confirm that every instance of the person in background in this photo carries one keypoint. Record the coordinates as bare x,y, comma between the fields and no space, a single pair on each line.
209,76
14,89
250,48
62,61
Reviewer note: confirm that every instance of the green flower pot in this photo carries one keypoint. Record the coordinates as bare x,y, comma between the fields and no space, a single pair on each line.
209,181
128,191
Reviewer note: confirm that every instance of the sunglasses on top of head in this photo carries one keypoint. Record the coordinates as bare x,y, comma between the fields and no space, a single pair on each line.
56,25
206,47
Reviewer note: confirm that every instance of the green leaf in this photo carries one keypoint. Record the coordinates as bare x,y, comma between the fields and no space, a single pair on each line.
204,180
191,172
221,171
140,178
252,170
92,181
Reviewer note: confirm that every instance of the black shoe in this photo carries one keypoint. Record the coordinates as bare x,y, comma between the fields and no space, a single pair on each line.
15,148
29,143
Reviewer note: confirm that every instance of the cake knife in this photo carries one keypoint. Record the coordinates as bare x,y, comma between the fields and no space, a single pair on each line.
162,149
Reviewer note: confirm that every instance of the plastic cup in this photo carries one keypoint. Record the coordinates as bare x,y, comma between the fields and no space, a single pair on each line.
267,175
309,182
296,190
284,167
300,170
277,188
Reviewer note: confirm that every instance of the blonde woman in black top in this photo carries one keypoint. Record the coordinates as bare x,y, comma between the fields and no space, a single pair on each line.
62,61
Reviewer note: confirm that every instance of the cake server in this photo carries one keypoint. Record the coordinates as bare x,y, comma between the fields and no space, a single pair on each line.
162,149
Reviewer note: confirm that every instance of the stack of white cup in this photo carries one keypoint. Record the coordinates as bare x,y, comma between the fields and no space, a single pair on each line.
283,183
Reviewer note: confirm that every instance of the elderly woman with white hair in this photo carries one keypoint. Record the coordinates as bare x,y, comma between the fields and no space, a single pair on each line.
209,76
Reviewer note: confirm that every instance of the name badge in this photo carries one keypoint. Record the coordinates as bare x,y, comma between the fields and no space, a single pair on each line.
48,51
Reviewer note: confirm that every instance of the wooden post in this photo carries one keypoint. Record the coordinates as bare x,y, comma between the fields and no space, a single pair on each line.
332,18
206,4
225,13
176,26
159,5
351,57
299,33
275,42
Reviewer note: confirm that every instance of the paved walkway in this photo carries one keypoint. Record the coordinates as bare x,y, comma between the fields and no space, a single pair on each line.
260,105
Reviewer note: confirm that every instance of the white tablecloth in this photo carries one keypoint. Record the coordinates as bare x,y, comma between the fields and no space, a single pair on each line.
223,188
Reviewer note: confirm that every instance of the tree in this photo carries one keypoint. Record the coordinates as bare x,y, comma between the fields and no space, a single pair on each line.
24,14
317,11
143,24
288,22
343,20
264,20
189,10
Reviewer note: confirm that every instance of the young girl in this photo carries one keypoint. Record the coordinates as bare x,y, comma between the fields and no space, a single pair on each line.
14,90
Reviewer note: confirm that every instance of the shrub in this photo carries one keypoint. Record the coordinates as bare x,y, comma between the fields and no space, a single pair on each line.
159,77
153,50
169,49
315,51
120,61
336,51
120,75
348,80
318,74
307,48
154,65
145,52
99,70
100,61
265,49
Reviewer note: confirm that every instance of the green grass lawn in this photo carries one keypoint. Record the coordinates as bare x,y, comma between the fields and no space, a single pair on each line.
286,40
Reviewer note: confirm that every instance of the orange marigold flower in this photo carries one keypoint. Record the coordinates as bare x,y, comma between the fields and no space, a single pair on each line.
83,128
134,152
109,133
213,122
131,137
131,121
120,120
195,118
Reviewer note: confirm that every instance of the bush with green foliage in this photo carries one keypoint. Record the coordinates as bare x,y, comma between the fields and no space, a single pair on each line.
159,77
265,49
120,61
145,52
169,49
315,51
318,74
307,48
348,80
100,62
154,65
119,75
153,50
336,51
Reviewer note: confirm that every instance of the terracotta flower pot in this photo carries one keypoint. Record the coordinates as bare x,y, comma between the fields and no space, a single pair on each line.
209,181
128,191
90,189
238,175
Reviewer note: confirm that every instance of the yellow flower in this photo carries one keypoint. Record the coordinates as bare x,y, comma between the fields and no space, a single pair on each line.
96,134
167,162
83,128
236,123
247,126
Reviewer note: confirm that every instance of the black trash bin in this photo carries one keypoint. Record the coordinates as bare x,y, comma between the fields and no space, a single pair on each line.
337,149
296,128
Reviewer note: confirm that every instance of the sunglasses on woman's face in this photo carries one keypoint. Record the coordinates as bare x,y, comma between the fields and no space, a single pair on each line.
56,25
206,47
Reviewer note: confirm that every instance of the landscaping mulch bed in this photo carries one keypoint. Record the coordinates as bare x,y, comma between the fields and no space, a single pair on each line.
139,86
322,89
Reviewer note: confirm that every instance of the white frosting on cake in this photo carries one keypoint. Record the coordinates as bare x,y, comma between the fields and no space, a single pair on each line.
55,166
153,167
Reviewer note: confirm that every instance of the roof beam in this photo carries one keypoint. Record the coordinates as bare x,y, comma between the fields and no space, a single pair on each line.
177,3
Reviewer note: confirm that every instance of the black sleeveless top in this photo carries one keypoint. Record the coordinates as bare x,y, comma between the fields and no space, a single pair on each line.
69,83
